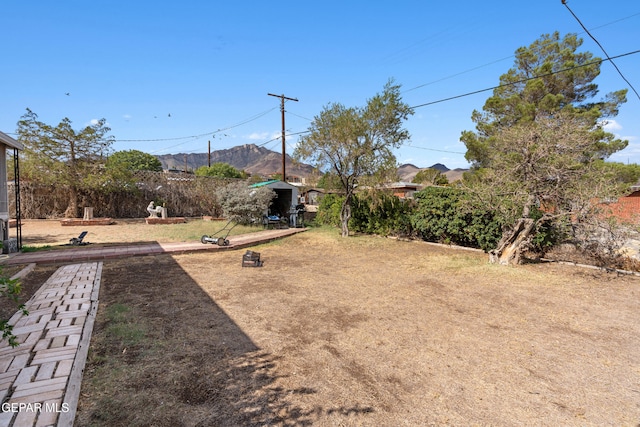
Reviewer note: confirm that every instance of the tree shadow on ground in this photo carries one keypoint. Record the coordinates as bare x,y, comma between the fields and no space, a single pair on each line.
164,353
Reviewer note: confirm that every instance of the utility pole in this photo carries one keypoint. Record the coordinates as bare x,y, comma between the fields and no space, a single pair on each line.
209,157
282,98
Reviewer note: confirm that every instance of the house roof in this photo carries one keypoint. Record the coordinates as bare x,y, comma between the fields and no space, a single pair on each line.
7,140
263,183
275,184
408,185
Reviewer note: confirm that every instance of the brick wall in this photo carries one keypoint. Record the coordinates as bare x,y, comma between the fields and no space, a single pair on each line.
627,209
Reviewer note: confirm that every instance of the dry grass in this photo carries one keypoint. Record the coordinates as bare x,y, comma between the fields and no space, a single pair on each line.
45,232
360,331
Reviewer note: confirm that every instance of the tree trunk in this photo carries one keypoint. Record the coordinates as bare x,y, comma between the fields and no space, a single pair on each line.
345,215
72,207
512,243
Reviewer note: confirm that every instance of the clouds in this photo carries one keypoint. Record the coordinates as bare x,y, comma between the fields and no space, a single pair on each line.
631,154
96,122
614,127
263,136
611,126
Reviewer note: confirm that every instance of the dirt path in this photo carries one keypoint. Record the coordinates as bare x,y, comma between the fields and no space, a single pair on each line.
362,331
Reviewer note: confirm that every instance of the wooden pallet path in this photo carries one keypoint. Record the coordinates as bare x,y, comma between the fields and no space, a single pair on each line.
40,379
103,253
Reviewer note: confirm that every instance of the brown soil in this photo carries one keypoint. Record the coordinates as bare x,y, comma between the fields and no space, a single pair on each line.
360,331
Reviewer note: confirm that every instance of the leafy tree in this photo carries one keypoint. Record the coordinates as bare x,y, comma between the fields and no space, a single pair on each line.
547,77
356,143
430,176
221,170
134,160
543,173
243,204
329,181
624,174
61,155
540,143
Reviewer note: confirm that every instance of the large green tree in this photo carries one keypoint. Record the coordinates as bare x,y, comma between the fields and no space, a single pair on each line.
548,76
134,160
61,155
221,170
540,141
357,143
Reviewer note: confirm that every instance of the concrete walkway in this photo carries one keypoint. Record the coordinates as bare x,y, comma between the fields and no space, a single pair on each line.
40,379
101,253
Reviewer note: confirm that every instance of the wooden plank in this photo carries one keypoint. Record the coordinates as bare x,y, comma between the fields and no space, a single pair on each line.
72,394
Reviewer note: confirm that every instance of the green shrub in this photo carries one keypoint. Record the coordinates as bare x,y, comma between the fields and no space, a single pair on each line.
547,234
441,216
329,210
10,288
381,213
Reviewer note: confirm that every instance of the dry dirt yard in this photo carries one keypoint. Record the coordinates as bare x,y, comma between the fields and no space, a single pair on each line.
362,331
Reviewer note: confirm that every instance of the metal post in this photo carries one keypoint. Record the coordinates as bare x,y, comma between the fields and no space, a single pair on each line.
16,177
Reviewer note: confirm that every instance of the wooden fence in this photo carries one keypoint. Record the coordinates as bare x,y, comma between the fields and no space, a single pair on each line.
183,195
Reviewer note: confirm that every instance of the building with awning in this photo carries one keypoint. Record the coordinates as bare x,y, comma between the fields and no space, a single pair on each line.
8,144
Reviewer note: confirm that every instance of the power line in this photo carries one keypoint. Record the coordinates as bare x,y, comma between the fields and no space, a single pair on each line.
457,74
302,117
278,137
523,80
564,2
505,58
434,149
257,116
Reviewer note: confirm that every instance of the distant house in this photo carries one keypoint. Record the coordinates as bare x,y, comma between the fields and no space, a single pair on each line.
8,143
312,196
404,190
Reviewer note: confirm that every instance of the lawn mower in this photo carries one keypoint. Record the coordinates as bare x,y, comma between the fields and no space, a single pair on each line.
217,240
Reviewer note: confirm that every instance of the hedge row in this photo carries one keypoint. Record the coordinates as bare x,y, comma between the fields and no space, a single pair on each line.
436,214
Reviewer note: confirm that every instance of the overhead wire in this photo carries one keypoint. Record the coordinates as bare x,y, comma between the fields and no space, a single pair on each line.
523,80
250,119
564,2
508,84
434,149
458,74
505,58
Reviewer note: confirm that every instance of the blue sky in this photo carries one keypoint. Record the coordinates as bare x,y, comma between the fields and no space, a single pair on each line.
170,76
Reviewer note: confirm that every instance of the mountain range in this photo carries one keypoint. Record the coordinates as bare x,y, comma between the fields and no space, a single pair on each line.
249,158
408,171
259,160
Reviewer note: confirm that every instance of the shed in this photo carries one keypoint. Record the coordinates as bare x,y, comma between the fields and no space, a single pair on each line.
286,197
8,143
